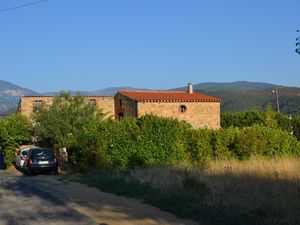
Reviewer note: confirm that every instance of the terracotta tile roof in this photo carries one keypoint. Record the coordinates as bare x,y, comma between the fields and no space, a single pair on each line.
167,96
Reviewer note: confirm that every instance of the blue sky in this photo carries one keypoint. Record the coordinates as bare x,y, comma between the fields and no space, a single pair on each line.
156,44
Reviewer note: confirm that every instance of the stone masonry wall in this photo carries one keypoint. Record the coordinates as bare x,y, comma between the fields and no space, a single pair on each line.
27,103
125,106
106,103
198,114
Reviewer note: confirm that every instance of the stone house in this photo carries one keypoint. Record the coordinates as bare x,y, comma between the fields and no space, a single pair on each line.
200,110
28,103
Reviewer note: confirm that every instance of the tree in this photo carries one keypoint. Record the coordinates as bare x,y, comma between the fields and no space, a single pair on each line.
270,117
15,130
296,126
57,124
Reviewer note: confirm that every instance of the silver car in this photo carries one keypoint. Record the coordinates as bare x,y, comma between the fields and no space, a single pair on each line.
21,156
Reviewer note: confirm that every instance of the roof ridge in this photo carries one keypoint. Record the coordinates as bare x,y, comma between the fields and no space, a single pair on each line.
167,96
153,91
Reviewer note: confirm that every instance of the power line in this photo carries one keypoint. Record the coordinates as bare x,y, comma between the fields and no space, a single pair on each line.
21,6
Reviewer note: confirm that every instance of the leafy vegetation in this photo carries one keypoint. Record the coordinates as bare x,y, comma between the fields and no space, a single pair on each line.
168,164
268,118
57,124
14,131
151,140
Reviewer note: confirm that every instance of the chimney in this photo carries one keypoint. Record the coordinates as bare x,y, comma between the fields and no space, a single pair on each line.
190,88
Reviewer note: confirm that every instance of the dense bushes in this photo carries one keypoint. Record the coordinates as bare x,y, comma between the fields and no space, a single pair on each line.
252,117
152,140
14,131
149,140
243,119
296,126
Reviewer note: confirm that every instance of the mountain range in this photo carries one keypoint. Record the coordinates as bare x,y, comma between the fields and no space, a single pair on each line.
243,95
236,96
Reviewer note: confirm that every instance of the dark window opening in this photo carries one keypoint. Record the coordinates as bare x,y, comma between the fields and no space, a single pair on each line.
120,102
37,104
182,108
92,102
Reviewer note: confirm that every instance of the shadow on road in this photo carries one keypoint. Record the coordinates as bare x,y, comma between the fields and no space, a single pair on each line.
45,199
23,201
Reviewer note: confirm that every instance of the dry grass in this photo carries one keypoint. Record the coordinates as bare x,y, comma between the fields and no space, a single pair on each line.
265,189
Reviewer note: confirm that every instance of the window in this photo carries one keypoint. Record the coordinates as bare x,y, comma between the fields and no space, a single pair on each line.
92,102
37,104
120,102
182,108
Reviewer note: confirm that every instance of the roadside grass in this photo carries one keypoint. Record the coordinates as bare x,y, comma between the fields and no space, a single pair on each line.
256,191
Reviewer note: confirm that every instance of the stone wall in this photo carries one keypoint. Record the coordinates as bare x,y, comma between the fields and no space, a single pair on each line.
125,106
198,114
28,103
106,103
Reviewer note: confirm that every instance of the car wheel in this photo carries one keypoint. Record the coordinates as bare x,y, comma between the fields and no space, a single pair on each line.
55,172
28,172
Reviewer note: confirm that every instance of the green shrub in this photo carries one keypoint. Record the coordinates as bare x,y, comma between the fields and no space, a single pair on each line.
149,140
296,126
152,140
264,141
15,130
223,141
243,119
256,117
122,137
199,145
161,139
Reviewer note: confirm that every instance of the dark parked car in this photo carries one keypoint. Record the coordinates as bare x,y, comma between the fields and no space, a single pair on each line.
40,160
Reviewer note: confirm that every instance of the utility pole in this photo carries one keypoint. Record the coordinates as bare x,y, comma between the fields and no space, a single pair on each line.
277,99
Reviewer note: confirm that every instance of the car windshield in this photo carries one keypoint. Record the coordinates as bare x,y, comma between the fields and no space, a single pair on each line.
42,153
24,153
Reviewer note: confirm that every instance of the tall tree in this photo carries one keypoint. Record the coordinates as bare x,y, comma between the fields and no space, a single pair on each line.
58,123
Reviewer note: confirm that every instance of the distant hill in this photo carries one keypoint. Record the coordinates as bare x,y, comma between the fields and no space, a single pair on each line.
244,95
113,90
101,92
236,96
9,96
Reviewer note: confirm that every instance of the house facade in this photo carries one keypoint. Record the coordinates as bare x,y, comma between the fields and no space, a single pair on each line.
200,110
28,103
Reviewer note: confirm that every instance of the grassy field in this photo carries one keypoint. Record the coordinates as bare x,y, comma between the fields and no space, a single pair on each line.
256,191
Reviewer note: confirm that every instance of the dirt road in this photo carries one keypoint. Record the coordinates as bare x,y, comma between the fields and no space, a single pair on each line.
48,199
